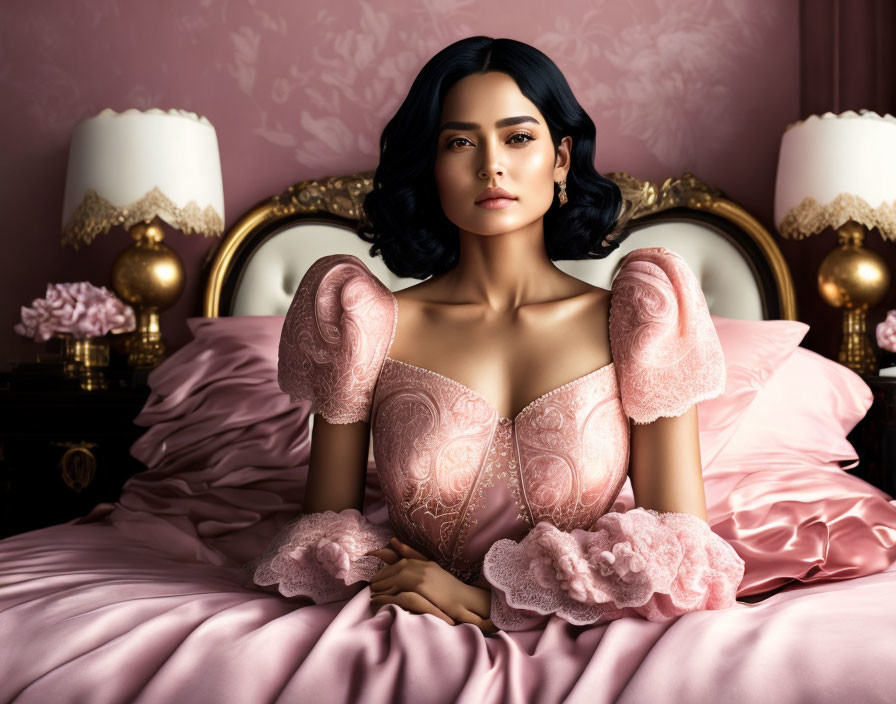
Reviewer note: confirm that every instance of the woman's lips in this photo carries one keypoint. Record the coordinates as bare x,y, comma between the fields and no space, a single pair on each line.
494,203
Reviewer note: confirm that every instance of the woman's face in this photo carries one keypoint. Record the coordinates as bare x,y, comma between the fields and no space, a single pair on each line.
478,149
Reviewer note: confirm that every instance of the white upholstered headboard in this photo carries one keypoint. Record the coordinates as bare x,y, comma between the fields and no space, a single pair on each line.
261,261
273,272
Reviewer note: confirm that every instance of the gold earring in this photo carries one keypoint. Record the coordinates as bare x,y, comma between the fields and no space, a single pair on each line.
562,195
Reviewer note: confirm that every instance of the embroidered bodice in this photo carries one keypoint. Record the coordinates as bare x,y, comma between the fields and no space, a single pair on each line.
456,476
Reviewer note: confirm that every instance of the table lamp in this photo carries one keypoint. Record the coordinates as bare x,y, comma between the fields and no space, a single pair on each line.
137,169
839,171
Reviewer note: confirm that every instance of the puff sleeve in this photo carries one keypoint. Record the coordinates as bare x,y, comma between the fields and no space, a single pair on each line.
665,347
335,337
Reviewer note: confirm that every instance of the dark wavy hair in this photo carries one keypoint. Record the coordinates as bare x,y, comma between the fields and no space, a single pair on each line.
402,214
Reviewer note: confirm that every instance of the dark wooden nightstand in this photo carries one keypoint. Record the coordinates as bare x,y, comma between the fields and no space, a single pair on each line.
63,449
874,438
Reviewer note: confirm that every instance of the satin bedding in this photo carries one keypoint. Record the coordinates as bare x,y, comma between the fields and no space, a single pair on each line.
144,600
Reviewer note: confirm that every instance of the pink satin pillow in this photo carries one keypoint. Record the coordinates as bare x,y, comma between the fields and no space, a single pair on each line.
795,520
806,410
776,491
754,350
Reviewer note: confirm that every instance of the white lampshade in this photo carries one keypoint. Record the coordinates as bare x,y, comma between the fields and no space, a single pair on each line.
130,167
834,168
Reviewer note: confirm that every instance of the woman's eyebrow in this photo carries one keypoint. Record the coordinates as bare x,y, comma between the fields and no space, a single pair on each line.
505,122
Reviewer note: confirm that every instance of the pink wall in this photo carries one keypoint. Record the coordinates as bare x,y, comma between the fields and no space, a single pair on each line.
302,90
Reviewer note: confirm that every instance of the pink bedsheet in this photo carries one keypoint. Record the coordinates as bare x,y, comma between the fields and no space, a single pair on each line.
90,615
145,600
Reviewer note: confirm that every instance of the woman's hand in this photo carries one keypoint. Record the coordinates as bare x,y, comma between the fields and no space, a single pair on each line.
416,583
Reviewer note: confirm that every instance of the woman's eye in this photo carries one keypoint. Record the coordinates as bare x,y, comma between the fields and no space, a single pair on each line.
512,139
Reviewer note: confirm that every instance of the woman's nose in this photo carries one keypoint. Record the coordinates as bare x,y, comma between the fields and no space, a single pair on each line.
490,169
491,163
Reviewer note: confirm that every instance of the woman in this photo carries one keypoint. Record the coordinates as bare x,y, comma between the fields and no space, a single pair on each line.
499,469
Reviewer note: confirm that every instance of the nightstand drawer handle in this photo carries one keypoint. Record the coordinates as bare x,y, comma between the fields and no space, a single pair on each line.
78,468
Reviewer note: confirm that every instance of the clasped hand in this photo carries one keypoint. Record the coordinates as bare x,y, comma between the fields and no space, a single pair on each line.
418,584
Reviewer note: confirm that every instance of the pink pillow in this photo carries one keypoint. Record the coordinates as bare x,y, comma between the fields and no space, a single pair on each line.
795,520
806,410
777,493
753,350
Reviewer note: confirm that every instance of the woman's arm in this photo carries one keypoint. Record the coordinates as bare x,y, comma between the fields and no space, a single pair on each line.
337,469
322,553
665,465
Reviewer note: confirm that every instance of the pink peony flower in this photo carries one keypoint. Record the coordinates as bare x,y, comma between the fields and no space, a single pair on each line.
80,308
886,332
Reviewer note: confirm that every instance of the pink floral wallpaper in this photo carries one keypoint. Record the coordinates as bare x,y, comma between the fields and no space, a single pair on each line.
302,90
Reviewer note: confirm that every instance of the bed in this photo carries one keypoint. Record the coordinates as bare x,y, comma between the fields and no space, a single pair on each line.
148,600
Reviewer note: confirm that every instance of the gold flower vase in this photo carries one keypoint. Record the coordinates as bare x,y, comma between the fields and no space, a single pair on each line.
85,360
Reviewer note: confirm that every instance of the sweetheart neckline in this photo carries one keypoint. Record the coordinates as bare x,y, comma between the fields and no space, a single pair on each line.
533,402
475,393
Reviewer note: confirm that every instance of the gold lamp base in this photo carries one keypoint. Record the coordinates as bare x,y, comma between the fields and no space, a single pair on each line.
854,278
148,275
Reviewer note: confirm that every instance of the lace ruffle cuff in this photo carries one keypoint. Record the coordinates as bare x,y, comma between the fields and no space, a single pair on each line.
655,565
322,556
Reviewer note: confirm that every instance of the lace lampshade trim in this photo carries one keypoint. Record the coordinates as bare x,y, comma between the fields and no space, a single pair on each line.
95,215
811,217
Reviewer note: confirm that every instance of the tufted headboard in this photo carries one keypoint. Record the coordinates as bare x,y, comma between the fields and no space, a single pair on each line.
259,263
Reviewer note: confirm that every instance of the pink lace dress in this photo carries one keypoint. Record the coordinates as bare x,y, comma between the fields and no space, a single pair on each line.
524,501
